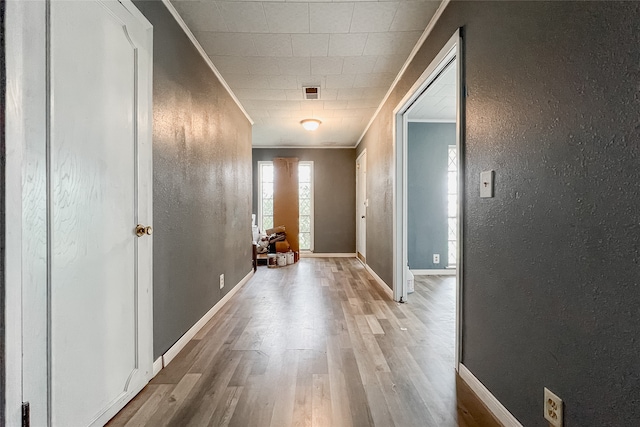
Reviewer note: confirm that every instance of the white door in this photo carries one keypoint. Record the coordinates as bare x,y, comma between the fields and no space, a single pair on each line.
361,206
99,318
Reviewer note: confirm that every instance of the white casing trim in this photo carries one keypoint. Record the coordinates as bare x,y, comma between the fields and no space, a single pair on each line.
434,272
359,228
184,340
379,281
430,120
490,401
204,55
23,21
297,147
414,52
452,50
326,255
157,366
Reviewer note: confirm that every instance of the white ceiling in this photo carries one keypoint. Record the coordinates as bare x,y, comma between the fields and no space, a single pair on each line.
438,102
267,51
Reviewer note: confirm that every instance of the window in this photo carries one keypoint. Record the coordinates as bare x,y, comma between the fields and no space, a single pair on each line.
265,195
305,197
452,204
305,201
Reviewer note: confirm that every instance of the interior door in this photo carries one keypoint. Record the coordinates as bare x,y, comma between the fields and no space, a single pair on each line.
361,206
99,321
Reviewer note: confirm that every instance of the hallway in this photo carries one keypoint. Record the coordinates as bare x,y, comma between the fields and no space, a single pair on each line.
315,344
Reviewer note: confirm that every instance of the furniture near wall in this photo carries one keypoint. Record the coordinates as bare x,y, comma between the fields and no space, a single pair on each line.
286,211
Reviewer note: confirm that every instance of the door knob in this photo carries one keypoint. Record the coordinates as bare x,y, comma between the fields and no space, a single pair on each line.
362,216
141,230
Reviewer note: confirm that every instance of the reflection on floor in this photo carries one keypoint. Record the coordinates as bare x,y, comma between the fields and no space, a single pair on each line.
316,344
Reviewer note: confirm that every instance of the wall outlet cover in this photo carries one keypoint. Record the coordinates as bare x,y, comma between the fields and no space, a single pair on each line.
221,281
436,258
553,408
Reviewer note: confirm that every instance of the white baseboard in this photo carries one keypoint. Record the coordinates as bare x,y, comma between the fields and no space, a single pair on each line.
379,281
494,405
157,366
434,272
182,342
327,255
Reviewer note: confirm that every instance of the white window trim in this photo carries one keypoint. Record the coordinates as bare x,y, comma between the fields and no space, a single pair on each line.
259,219
312,208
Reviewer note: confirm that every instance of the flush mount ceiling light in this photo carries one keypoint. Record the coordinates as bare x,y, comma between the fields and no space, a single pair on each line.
310,124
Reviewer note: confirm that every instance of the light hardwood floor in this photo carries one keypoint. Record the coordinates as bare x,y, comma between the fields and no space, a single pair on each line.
316,344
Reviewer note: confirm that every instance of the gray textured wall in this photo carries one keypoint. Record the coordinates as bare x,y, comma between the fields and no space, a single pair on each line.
378,143
552,289
202,183
334,194
427,228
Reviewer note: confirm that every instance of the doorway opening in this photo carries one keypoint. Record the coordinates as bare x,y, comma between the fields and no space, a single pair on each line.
428,192
361,207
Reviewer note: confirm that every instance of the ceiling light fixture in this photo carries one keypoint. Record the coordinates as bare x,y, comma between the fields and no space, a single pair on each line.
310,124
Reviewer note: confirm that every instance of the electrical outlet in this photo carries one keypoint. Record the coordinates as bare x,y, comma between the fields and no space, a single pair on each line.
436,258
552,408
221,281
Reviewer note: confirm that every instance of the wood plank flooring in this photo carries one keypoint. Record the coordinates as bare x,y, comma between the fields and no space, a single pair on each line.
316,344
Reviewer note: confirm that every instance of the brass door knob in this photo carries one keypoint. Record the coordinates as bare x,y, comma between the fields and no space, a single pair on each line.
141,230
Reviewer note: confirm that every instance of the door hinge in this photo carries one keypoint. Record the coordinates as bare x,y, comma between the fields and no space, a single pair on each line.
26,416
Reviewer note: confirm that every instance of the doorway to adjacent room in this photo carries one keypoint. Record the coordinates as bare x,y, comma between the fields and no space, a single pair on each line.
361,207
428,202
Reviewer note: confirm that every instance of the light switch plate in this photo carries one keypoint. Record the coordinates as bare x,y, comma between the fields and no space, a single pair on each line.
486,184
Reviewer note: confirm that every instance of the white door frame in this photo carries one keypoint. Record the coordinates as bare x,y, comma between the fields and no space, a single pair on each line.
25,32
27,122
358,161
451,50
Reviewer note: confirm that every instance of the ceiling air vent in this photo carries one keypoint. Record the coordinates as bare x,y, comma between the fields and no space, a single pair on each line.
311,92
